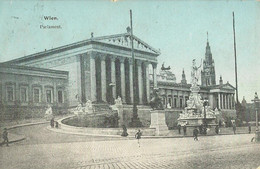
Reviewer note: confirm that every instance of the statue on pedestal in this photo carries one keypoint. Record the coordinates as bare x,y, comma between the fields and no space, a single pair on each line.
156,101
194,73
118,101
48,113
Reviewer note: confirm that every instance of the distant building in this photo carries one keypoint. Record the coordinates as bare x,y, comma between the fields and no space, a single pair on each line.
220,96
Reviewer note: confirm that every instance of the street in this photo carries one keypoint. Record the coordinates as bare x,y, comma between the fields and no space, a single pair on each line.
47,149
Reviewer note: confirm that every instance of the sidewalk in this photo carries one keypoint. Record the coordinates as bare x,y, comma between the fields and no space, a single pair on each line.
13,138
20,123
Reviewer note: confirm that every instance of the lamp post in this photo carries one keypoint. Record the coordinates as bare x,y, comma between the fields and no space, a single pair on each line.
256,100
205,103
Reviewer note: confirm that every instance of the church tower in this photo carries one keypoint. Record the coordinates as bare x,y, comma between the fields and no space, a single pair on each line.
208,76
183,79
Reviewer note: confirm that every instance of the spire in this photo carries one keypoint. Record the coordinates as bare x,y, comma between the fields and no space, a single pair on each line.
220,80
183,79
207,37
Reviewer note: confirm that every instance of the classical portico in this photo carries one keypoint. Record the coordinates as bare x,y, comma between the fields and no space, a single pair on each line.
111,76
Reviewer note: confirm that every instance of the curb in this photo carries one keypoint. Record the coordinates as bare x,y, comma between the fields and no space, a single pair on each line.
21,125
26,124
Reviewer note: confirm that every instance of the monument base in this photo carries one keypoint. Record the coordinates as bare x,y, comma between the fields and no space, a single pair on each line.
158,122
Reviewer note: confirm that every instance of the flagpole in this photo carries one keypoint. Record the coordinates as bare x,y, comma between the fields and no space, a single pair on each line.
234,33
135,120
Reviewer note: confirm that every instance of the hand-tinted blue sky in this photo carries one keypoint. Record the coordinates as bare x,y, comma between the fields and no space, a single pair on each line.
178,29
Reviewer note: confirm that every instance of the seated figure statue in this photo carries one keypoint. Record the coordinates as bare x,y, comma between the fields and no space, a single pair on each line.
156,101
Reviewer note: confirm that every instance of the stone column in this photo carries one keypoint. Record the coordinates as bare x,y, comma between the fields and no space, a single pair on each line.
103,78
219,100
140,81
222,101
228,100
122,71
225,101
147,82
113,76
131,81
154,75
93,78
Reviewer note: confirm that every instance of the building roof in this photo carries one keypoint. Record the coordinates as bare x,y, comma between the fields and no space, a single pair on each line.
32,69
122,40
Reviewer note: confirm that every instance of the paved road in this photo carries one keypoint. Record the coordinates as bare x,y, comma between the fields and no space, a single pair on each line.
229,151
39,134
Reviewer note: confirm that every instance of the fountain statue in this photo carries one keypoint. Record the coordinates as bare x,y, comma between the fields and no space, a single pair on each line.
194,114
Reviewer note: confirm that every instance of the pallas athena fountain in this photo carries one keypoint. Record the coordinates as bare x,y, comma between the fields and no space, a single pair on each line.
196,114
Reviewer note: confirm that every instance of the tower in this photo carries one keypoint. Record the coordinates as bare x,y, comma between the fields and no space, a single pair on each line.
208,76
183,79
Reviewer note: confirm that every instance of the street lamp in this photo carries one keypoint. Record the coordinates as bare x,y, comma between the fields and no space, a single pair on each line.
205,103
256,100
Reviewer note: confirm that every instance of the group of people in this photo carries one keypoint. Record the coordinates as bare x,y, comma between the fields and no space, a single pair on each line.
56,123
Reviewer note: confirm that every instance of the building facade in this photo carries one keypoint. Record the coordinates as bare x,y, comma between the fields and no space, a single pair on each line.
23,86
100,68
220,96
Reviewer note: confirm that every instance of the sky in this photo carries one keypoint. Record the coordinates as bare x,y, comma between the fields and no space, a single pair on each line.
178,28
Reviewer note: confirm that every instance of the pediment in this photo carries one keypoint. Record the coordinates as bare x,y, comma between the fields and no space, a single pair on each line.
123,40
228,87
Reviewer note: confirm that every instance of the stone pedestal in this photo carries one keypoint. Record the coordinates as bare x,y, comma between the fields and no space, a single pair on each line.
120,111
158,122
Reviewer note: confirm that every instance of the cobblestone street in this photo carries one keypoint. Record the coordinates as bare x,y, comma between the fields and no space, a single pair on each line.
70,151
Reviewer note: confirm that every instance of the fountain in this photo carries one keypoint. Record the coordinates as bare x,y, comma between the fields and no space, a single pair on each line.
196,113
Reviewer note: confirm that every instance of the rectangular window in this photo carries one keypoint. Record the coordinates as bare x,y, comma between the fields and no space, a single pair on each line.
48,96
60,97
180,102
23,94
175,102
36,95
10,94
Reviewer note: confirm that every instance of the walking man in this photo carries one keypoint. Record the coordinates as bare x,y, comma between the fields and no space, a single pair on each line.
52,123
184,130
138,136
234,128
249,128
195,134
179,128
216,129
5,137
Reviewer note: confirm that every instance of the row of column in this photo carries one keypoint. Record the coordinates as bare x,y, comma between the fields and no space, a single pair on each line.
226,101
117,69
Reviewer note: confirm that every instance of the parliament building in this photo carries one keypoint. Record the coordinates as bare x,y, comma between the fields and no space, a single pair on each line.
100,69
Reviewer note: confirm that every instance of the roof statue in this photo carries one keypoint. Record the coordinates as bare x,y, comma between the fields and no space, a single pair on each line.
165,68
194,73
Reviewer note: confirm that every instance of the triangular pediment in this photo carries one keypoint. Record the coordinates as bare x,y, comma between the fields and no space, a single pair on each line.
123,40
228,86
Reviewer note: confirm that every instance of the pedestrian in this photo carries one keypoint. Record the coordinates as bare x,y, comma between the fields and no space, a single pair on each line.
179,128
138,136
249,128
200,128
124,134
5,137
217,129
184,130
195,134
234,128
52,123
57,124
